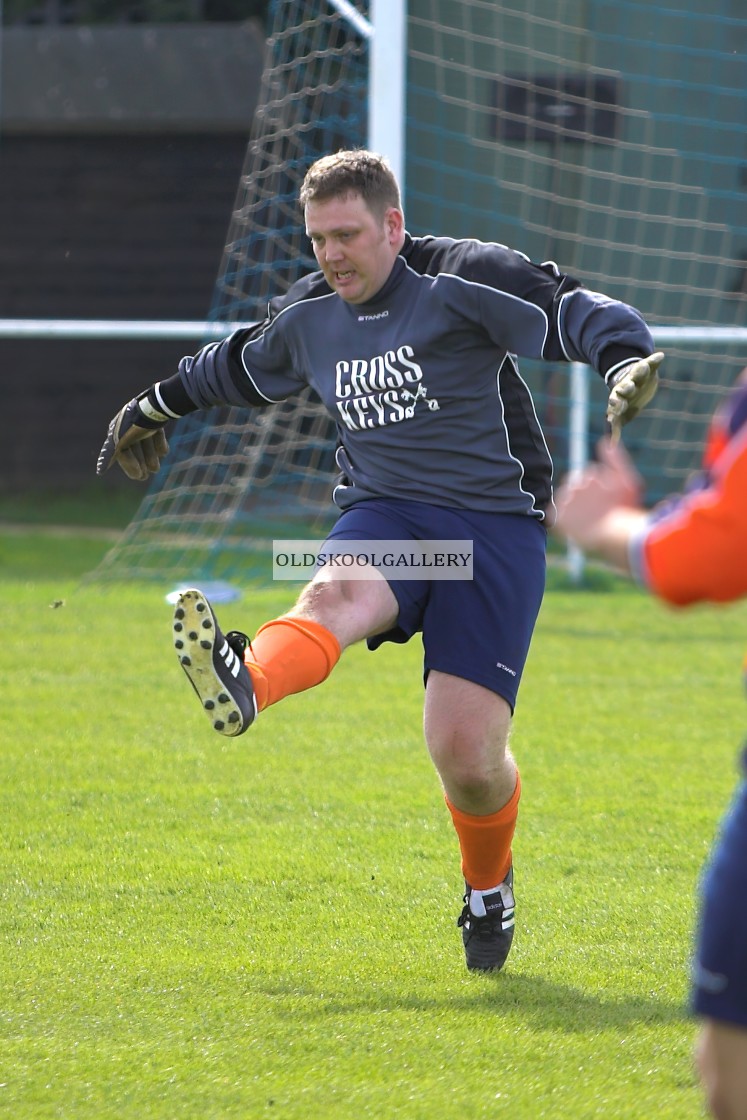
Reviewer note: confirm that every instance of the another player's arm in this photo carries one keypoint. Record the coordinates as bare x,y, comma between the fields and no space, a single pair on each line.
689,550
599,509
695,552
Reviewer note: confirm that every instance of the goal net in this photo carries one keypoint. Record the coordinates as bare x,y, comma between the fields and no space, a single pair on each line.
236,478
607,135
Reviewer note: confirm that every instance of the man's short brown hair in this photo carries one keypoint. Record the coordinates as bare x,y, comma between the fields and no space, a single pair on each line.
354,171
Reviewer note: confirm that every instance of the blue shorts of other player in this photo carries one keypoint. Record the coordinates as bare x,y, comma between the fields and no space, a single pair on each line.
720,968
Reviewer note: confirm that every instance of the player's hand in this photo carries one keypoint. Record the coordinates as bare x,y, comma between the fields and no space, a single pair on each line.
137,448
632,388
603,493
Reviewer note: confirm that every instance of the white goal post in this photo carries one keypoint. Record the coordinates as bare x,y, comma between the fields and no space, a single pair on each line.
386,33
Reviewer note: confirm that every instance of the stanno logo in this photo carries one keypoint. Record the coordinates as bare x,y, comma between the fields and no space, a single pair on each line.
371,318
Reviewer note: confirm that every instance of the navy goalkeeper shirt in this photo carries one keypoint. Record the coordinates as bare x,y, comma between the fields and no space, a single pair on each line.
423,381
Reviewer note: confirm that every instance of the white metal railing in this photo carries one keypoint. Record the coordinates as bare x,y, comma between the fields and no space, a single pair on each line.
152,330
155,329
158,330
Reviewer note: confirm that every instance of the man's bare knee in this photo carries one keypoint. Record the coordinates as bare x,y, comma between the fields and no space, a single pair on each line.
350,609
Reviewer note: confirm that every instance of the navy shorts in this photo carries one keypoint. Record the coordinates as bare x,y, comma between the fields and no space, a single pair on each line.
720,967
478,629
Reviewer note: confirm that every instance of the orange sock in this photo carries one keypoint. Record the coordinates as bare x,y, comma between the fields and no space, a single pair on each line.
290,655
485,842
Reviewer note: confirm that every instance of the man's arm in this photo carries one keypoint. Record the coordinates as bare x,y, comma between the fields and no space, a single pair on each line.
537,311
216,375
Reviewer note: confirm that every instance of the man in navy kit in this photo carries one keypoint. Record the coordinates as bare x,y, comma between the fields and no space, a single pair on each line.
411,345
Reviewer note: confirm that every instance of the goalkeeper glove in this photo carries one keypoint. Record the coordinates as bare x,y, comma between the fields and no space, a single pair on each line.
135,440
632,388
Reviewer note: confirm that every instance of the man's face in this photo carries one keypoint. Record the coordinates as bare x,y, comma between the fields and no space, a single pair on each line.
355,249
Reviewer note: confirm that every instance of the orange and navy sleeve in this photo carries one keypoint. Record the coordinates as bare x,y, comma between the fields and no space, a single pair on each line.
694,548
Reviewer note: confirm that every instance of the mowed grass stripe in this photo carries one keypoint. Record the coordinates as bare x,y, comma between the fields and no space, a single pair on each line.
200,927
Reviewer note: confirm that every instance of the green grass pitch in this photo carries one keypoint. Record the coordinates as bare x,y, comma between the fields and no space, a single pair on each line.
202,928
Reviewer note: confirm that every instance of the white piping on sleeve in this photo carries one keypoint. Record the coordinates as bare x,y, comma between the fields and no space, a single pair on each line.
164,408
270,325
636,554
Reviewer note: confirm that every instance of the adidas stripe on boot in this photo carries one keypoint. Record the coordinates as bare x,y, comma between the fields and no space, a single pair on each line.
214,664
487,924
